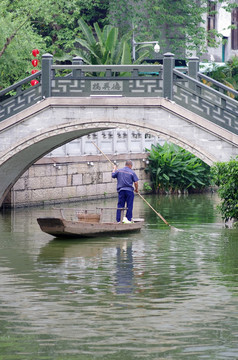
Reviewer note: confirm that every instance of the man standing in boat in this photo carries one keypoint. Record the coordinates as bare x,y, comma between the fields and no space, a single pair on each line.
126,177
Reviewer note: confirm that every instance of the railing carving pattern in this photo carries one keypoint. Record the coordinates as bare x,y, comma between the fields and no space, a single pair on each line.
205,101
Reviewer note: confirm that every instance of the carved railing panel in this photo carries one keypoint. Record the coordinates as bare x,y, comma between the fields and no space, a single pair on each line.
99,86
206,102
19,102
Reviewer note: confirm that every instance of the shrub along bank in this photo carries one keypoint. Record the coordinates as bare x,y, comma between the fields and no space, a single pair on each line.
173,170
225,175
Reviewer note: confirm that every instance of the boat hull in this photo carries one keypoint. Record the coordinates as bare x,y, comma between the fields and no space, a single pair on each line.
64,228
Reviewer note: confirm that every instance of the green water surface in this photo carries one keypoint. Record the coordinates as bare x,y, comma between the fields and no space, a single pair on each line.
157,294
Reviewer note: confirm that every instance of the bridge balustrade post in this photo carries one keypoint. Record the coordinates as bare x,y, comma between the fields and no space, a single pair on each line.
168,65
47,61
77,60
108,73
193,69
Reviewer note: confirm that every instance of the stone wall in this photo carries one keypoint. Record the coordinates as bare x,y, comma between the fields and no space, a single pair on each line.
72,178
77,170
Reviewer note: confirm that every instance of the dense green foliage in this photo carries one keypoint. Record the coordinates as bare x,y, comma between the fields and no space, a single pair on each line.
17,40
16,60
174,169
94,11
49,25
178,25
225,175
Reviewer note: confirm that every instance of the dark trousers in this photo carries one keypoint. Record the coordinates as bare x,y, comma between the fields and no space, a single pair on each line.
125,197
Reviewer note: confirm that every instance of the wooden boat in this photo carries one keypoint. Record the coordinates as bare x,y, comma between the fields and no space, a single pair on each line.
86,225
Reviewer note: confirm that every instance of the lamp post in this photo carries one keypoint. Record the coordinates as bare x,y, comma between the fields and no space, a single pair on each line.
134,43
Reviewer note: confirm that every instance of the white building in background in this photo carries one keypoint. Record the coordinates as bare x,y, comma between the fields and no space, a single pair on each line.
221,20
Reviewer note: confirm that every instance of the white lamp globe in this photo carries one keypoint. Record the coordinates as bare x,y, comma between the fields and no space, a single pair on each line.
156,48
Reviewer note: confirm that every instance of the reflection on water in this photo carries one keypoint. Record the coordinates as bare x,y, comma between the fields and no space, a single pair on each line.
124,269
156,294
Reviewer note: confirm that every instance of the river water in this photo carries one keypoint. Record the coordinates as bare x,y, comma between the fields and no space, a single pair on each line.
157,294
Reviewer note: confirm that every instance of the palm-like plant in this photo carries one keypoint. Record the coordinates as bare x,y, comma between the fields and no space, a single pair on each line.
104,46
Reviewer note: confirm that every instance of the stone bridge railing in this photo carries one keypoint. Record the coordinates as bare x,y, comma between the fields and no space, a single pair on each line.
214,105
185,86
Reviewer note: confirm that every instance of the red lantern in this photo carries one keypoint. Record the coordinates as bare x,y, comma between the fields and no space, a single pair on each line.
34,71
34,82
34,62
35,52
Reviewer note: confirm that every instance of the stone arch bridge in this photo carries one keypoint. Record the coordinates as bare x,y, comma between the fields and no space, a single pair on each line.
161,100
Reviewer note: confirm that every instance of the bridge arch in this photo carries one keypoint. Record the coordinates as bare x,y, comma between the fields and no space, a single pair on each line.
36,131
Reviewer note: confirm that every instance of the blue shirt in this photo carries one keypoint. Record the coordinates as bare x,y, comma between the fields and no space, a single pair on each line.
125,178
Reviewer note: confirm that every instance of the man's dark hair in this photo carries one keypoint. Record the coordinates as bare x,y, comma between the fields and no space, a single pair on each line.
129,163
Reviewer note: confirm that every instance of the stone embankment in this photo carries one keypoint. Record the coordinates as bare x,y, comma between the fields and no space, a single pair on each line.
70,179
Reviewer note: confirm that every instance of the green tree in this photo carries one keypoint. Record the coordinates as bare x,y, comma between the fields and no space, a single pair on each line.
48,25
178,25
16,43
60,28
174,169
225,175
94,11
19,35
104,46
